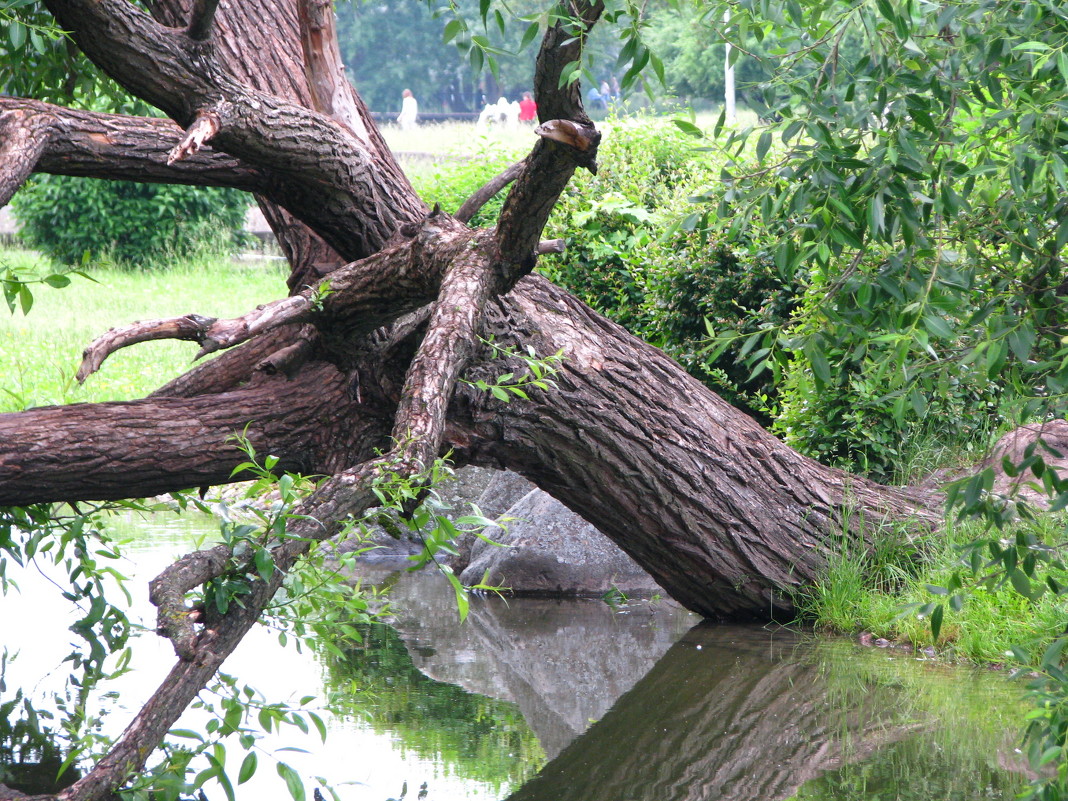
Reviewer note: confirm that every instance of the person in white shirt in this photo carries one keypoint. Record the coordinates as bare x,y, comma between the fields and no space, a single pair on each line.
409,111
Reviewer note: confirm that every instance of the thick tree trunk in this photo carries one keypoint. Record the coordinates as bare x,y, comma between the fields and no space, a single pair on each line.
728,519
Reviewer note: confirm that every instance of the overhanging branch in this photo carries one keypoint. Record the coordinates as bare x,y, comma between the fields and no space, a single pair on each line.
119,147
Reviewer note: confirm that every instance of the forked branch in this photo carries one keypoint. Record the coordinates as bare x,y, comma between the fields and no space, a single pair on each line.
357,298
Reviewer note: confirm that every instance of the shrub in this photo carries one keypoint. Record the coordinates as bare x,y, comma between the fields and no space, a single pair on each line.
133,224
867,416
737,290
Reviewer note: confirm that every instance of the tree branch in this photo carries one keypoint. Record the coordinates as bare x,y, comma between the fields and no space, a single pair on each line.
143,448
569,140
481,197
418,433
288,359
115,146
352,301
334,186
175,620
203,17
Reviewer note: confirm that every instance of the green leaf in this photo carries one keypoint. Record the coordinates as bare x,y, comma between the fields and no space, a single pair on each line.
189,734
1021,583
763,144
529,35
462,601
821,368
16,34
292,780
936,622
453,29
25,298
687,127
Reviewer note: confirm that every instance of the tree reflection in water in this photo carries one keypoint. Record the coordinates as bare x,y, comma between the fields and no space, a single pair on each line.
735,714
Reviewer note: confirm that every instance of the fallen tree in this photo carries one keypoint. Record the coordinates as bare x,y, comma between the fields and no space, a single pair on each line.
356,374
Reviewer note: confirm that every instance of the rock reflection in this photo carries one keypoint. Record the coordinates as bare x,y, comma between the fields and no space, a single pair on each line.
562,662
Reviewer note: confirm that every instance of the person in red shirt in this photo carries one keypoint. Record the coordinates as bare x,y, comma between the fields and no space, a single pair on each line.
528,109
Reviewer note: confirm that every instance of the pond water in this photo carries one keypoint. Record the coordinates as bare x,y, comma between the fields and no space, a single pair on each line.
551,700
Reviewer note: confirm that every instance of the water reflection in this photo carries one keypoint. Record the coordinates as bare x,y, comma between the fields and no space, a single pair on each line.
734,713
562,662
607,705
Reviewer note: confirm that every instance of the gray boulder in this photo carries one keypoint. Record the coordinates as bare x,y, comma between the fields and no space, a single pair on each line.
552,551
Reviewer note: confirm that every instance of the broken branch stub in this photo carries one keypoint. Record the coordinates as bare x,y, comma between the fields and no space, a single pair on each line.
203,129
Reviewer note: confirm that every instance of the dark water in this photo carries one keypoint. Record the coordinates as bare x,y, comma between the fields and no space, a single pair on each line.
557,700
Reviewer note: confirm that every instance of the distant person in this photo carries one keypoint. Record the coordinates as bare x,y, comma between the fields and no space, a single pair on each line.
511,114
409,111
593,97
528,109
606,94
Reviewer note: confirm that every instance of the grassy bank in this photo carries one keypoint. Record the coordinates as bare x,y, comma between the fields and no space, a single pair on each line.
879,592
40,352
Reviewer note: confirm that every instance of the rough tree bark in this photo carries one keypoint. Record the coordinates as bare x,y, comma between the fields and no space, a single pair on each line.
726,518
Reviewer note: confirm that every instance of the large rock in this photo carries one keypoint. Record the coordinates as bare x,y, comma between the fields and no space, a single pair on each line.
552,551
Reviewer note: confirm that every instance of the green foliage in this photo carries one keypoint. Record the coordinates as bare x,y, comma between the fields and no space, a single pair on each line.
841,401
76,541
919,188
410,500
730,293
141,225
537,373
16,280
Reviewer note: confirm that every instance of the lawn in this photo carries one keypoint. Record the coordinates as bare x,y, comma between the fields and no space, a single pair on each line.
40,352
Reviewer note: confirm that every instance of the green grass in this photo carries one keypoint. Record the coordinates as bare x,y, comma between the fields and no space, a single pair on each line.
40,352
872,591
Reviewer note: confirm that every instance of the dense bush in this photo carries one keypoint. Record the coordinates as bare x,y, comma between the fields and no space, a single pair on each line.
864,408
134,224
